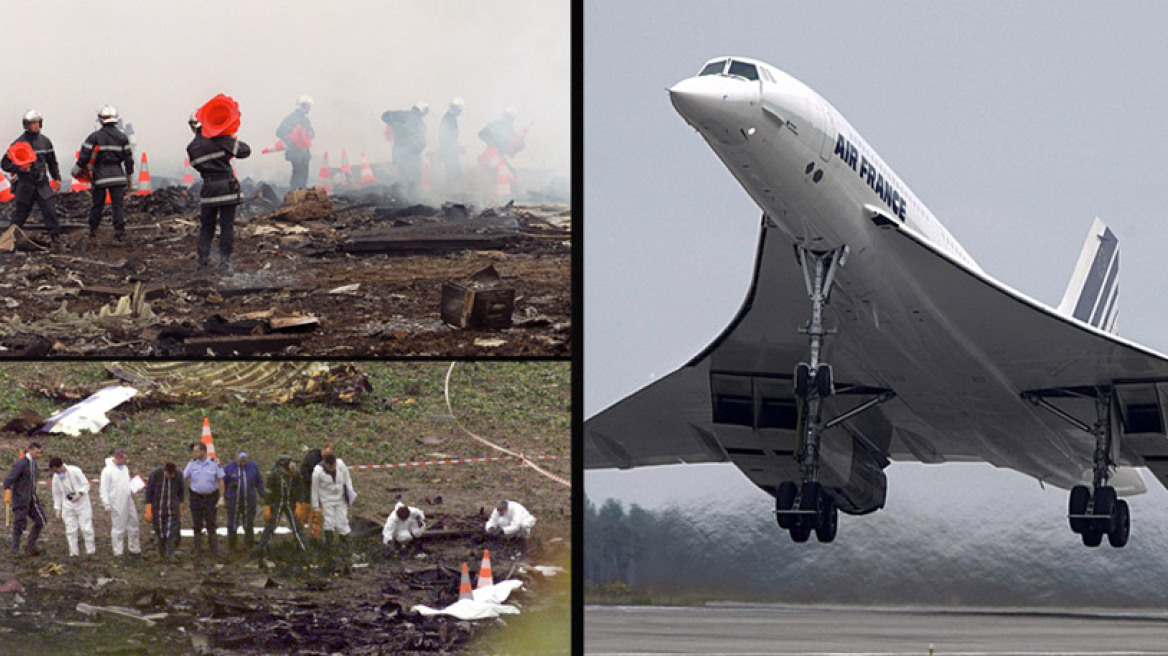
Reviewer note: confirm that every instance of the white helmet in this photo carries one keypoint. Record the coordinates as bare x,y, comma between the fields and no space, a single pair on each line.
422,106
32,116
304,101
107,115
511,111
458,102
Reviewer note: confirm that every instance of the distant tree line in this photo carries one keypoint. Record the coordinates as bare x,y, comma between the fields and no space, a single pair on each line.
717,551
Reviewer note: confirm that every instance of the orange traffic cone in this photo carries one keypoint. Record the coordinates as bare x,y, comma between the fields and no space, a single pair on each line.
366,173
274,148
5,189
207,439
325,176
144,187
188,176
464,591
346,170
485,577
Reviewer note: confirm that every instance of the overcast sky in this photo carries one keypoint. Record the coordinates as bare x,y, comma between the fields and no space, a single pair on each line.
158,61
1015,123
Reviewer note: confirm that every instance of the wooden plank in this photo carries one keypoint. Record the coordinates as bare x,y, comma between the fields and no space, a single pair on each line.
413,244
241,344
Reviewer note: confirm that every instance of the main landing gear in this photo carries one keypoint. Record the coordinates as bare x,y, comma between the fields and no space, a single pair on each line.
802,509
1095,511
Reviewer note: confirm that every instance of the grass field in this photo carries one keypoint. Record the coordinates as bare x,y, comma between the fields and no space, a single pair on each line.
521,406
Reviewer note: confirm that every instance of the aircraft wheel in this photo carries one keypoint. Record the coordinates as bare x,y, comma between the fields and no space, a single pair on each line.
823,381
1092,538
828,525
1080,497
1105,500
800,532
802,380
1121,525
785,500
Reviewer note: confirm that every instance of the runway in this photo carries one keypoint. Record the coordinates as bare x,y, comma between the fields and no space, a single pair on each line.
755,630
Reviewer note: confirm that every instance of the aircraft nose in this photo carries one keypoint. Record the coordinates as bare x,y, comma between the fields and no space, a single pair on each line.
712,99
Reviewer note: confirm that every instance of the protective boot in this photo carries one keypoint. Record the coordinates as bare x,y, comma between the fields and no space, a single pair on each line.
15,542
198,544
33,536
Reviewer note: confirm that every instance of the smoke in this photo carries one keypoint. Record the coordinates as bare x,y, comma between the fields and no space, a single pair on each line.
157,62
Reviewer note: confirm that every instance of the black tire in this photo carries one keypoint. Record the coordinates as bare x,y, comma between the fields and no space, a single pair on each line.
811,498
1105,499
1092,538
802,380
785,500
828,524
824,383
1121,525
1080,498
801,532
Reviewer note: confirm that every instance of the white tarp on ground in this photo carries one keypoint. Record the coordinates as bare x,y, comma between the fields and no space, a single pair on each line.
89,414
222,530
487,603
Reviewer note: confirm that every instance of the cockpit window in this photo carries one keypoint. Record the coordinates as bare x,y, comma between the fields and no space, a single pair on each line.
742,69
713,68
766,75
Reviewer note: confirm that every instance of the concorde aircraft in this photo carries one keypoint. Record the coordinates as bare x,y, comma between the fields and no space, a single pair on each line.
869,335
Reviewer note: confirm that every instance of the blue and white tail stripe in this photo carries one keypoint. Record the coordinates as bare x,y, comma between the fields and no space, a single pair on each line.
1092,296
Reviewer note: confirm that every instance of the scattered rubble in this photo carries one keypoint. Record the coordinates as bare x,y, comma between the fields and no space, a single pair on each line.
347,275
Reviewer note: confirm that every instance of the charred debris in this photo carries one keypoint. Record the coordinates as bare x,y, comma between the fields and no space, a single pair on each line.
353,274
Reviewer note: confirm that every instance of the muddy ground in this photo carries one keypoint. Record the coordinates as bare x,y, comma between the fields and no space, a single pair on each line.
357,602
284,269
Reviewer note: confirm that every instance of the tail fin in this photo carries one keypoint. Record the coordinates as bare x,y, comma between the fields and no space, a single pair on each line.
1092,295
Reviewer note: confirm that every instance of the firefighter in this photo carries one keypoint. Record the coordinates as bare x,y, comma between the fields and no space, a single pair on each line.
501,136
297,134
211,156
20,493
164,498
108,159
37,177
448,147
409,141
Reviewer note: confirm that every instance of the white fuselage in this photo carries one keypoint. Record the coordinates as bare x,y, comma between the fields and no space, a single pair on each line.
801,161
820,184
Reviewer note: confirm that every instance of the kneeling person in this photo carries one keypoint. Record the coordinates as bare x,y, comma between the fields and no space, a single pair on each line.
403,525
511,520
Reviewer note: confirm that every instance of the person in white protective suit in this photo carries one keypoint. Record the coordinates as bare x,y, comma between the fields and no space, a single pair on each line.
332,494
404,524
511,520
117,499
72,505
